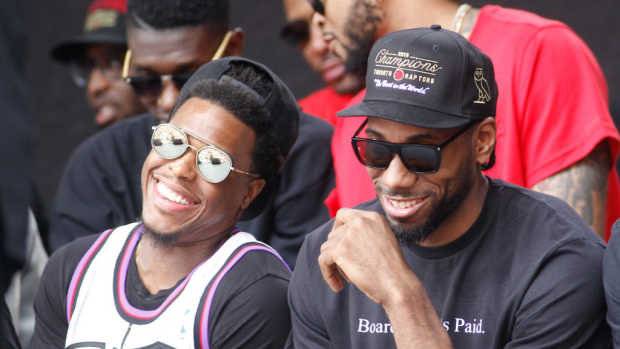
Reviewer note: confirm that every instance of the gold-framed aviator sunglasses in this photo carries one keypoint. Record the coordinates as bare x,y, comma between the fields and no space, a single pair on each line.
151,85
171,142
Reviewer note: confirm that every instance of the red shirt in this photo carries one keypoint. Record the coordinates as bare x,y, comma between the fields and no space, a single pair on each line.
552,108
324,104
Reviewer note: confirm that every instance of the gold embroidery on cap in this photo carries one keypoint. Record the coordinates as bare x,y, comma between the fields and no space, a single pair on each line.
406,62
400,70
484,92
100,19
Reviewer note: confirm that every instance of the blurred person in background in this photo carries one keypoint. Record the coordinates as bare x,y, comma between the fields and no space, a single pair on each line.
95,59
304,32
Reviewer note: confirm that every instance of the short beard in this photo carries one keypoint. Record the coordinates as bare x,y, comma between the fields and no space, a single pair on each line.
361,32
443,210
162,240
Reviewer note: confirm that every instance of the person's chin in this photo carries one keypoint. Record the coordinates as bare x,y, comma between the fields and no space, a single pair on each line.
348,84
166,211
164,239
333,71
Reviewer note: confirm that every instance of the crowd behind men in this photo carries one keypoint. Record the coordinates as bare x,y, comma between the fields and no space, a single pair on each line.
426,211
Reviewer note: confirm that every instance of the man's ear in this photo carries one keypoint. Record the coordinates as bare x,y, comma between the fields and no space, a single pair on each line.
255,187
484,140
235,45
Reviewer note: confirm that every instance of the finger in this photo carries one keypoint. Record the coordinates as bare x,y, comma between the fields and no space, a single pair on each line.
343,275
343,216
330,272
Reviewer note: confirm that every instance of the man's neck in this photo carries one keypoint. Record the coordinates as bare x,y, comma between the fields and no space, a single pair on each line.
408,14
161,266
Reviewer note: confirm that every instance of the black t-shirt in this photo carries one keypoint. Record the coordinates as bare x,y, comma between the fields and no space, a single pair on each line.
249,308
611,281
100,187
527,274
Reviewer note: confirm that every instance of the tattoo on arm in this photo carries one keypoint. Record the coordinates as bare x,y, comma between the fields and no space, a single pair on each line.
583,186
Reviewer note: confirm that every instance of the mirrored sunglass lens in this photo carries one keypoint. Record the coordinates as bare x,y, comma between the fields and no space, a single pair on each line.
420,158
213,164
376,154
169,142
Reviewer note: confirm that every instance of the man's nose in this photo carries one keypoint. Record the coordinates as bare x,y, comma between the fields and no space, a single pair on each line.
168,95
319,22
184,166
397,175
316,42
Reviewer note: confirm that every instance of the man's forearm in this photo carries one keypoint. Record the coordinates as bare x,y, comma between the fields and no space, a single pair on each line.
414,319
583,186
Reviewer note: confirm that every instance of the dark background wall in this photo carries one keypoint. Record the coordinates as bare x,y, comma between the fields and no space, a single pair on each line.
63,119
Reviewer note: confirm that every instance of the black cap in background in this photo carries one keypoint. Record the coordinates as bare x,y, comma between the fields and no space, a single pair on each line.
104,24
427,77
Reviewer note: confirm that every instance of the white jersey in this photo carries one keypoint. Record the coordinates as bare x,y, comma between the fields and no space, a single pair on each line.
100,316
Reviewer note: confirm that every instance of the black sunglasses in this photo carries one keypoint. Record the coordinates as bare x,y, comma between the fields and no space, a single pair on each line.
296,32
151,85
418,158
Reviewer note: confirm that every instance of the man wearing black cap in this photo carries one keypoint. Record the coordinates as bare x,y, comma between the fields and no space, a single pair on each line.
444,257
185,276
169,40
95,59
555,133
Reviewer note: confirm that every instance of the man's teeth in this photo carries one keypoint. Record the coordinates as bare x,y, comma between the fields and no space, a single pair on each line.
170,195
403,204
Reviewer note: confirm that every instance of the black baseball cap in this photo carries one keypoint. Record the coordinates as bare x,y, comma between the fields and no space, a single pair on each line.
104,24
280,103
427,77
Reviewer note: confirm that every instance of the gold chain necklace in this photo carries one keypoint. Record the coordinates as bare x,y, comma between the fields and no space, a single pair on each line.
461,12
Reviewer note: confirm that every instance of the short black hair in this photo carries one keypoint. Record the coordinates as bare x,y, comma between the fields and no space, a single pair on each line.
241,96
168,14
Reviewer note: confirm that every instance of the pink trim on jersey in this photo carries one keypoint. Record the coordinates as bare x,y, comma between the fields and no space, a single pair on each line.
204,318
122,296
79,271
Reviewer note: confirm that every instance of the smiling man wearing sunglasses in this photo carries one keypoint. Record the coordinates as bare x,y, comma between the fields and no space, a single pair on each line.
185,276
168,40
551,138
444,257
162,55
